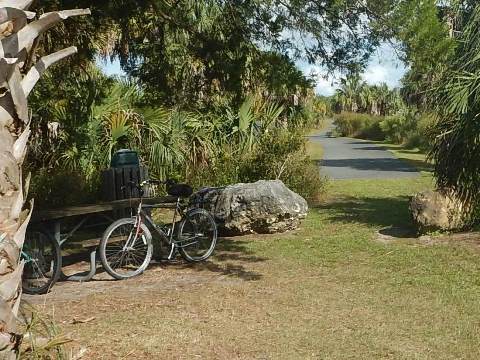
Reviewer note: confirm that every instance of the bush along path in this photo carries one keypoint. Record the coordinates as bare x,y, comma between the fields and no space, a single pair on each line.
348,158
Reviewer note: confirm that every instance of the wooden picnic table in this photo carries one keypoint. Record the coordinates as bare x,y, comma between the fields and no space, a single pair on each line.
51,221
70,211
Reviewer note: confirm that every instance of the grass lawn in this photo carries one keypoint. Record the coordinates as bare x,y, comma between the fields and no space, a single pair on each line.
327,291
314,150
415,157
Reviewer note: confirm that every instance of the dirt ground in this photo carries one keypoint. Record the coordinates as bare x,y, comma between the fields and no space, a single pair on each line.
116,319
350,284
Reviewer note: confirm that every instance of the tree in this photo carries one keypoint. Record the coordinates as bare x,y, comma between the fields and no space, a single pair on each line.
348,95
188,52
456,99
355,95
422,34
18,76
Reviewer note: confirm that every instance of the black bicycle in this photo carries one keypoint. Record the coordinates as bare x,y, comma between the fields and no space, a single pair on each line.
126,246
42,257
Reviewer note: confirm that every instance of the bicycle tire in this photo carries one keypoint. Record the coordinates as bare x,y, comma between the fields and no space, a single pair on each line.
37,259
107,251
191,222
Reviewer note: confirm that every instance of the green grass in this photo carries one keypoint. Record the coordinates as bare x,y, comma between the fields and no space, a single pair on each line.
314,150
403,300
327,291
414,157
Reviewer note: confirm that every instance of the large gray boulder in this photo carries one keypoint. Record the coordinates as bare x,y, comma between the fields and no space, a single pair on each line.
261,207
437,210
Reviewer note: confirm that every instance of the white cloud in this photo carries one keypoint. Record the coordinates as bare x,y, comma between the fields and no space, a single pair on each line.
325,87
376,74
384,67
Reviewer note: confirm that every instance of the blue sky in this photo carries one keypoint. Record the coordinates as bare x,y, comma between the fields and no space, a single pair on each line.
383,67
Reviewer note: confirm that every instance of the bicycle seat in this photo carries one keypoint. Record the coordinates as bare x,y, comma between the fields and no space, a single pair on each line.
180,190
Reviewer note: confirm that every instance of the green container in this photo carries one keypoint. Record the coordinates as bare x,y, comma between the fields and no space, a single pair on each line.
125,158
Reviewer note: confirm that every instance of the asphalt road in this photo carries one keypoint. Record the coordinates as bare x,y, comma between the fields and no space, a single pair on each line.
347,158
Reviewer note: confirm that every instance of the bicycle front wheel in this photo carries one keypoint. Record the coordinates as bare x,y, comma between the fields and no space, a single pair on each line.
43,259
197,235
126,249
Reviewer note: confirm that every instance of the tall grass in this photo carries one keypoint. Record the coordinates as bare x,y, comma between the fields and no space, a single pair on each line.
408,127
357,125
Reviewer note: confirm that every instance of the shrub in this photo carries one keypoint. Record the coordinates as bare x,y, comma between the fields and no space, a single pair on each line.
281,155
59,187
400,127
408,127
223,169
420,138
357,125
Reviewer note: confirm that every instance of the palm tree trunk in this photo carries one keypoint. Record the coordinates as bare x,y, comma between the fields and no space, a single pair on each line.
17,37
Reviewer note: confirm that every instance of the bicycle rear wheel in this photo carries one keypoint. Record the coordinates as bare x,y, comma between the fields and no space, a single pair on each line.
197,236
126,250
43,259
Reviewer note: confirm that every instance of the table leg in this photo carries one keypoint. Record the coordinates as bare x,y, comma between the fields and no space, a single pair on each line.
57,232
87,277
93,266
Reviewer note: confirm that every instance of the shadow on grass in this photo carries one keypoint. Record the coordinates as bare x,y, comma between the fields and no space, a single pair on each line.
231,258
419,164
375,212
405,155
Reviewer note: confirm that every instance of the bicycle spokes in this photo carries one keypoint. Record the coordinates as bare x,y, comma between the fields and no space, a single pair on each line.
126,249
197,237
38,255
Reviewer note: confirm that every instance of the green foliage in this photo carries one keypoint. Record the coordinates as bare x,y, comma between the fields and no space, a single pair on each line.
409,127
421,28
207,53
54,188
208,81
456,101
278,154
399,127
355,95
204,148
281,155
362,126
420,138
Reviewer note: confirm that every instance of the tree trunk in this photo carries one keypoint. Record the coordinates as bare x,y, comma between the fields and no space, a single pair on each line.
16,43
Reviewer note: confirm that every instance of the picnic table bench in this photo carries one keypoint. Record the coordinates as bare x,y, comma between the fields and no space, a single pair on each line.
51,221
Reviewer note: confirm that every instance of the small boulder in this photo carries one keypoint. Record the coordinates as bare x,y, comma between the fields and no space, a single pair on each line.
263,207
436,210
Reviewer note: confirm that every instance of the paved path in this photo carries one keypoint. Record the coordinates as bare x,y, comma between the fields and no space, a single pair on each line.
347,158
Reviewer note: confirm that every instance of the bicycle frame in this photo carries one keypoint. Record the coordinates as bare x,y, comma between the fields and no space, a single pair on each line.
142,216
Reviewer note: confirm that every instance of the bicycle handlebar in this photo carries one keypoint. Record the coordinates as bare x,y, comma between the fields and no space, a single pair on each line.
133,184
158,182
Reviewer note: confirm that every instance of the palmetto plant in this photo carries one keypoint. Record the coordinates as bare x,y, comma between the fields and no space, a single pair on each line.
355,95
254,117
456,97
17,37
347,96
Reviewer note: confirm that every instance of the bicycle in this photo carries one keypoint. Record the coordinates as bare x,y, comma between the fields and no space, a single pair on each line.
126,246
42,258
